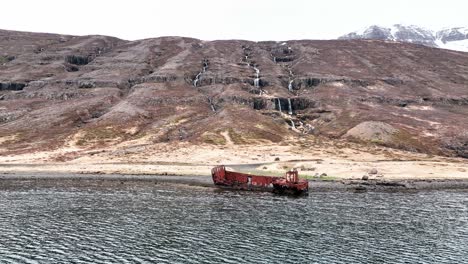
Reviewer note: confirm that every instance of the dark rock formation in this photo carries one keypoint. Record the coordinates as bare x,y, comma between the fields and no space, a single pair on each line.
11,86
77,59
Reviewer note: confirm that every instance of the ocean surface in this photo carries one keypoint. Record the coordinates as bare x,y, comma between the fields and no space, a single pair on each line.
144,222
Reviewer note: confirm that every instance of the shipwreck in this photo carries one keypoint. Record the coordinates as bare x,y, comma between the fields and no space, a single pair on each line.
289,184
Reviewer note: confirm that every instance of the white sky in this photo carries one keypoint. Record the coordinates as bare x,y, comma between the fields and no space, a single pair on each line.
226,19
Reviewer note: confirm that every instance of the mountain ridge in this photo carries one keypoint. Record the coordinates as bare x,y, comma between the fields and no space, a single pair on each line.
455,38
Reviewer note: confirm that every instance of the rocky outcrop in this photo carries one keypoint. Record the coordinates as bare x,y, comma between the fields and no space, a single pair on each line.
11,86
78,60
6,58
458,143
373,132
310,82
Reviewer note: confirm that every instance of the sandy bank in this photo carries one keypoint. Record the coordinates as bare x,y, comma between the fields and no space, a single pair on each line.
326,161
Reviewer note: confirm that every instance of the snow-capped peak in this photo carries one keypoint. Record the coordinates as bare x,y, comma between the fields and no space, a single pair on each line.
452,34
449,38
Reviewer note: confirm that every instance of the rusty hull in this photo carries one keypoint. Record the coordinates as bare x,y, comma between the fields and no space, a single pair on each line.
290,184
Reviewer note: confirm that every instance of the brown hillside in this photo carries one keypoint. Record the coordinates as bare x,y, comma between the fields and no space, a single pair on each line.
101,90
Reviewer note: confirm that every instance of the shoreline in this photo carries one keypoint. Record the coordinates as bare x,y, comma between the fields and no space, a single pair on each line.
340,163
384,185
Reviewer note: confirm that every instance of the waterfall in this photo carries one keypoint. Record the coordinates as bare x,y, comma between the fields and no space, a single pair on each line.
290,107
197,78
292,124
257,82
274,59
279,104
290,85
195,82
257,72
257,77
212,105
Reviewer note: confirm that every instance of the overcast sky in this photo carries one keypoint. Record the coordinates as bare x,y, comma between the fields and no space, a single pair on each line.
226,19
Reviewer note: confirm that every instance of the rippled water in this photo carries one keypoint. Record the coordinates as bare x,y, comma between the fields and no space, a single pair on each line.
140,222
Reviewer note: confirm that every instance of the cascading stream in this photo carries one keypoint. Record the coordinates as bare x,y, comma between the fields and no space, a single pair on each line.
210,100
246,56
256,81
291,80
285,66
279,104
197,78
290,85
290,111
257,77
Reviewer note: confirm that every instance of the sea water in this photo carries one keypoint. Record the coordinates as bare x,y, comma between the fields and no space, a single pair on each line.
144,222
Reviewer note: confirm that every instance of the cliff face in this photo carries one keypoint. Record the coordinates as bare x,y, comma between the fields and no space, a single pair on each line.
96,90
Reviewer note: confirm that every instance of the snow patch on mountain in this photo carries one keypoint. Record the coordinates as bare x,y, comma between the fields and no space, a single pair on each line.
449,38
459,45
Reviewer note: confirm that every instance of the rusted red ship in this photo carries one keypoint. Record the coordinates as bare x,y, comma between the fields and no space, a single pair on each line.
290,184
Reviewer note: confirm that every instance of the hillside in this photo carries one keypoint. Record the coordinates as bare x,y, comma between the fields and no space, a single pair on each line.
89,92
